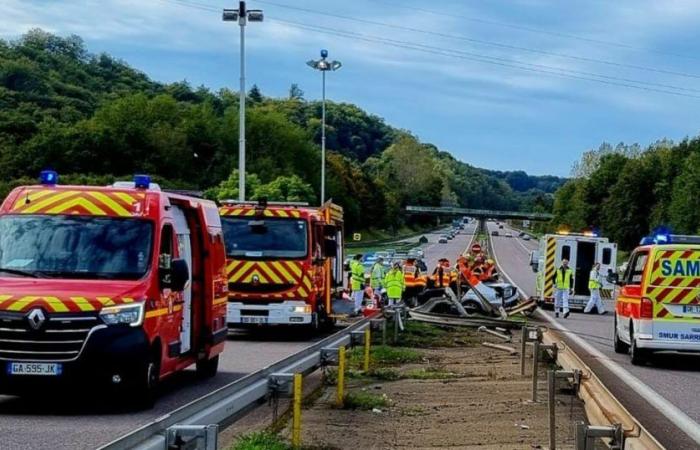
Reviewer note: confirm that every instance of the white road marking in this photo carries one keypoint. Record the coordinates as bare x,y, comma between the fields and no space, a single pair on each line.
668,409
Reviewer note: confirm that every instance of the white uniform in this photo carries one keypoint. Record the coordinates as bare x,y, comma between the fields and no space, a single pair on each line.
595,299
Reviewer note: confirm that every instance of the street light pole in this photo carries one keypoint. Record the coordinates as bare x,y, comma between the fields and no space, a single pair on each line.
242,16
324,66
323,138
241,115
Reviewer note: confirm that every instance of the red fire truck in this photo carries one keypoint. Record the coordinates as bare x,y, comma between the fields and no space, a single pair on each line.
285,262
121,286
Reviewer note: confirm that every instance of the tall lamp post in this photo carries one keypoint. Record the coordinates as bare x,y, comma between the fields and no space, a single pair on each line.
324,66
242,16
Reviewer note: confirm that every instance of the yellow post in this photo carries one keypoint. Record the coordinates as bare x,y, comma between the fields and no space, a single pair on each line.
296,419
367,343
340,394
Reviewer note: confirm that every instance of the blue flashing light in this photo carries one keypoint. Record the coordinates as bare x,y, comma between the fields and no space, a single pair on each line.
324,53
142,181
647,240
662,239
48,177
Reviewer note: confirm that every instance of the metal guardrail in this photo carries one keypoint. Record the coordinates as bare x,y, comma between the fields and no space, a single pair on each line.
227,403
479,213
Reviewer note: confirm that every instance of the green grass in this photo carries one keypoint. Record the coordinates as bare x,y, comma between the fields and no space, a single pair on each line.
383,355
430,373
263,440
365,401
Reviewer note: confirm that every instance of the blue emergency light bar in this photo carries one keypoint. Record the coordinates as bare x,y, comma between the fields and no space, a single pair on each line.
661,239
48,177
142,181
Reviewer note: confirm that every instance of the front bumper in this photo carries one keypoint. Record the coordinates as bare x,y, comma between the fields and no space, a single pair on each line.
289,312
109,351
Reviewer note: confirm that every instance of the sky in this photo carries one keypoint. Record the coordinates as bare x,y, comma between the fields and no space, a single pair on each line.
501,84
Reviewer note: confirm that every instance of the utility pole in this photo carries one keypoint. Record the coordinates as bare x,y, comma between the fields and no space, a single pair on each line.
324,66
242,16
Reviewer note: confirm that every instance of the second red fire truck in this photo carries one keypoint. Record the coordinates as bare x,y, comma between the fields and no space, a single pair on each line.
285,262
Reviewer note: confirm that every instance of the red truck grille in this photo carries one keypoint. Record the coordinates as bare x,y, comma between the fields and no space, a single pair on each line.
58,338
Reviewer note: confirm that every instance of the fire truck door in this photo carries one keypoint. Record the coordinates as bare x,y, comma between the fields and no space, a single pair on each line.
182,231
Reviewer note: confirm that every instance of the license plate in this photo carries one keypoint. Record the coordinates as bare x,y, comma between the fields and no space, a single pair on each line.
692,309
253,319
31,368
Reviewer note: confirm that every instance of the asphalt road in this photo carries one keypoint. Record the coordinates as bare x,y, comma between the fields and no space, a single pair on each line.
85,420
674,377
434,250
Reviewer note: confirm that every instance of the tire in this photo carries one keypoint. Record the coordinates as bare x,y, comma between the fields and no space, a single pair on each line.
207,368
638,356
619,345
142,394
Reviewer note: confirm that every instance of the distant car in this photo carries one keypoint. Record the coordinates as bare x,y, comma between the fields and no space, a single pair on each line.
417,252
509,235
521,234
442,240
500,227
450,237
494,233
526,238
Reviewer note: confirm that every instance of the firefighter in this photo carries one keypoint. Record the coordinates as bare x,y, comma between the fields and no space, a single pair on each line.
413,281
563,287
377,276
394,284
595,282
490,272
357,277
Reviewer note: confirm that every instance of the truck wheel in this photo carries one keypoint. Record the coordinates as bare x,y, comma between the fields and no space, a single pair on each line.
207,368
144,386
638,356
620,347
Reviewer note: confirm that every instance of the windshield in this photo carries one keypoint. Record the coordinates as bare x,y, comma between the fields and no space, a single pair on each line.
267,238
84,247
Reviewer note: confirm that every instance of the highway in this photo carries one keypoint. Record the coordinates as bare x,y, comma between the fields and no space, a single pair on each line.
670,382
86,420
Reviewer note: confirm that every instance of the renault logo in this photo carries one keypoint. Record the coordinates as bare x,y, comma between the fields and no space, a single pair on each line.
256,279
36,318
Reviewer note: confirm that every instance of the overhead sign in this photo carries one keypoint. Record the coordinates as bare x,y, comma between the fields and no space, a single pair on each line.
476,248
356,237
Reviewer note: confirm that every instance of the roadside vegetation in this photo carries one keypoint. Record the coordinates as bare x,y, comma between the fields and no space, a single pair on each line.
93,118
627,191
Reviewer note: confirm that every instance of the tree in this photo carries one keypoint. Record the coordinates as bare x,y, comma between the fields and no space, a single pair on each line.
286,188
626,211
684,210
295,92
254,95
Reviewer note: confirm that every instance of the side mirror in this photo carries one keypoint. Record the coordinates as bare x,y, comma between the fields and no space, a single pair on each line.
330,248
614,278
179,275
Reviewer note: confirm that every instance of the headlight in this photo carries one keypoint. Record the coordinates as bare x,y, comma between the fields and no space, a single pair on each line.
302,309
131,314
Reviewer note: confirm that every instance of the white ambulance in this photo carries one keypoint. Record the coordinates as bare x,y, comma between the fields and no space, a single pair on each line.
582,251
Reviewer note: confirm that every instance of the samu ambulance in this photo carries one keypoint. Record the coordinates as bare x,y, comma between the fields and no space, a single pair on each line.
658,303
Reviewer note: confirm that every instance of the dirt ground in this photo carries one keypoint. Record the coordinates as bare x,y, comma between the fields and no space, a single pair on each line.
481,402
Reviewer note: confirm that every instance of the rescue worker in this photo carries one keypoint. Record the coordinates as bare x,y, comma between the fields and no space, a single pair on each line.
563,287
595,282
441,274
377,274
357,277
413,281
394,284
